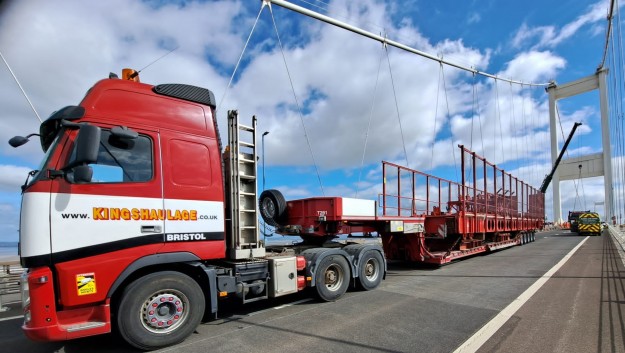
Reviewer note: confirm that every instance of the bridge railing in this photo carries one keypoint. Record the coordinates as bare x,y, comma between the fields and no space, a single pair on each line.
9,282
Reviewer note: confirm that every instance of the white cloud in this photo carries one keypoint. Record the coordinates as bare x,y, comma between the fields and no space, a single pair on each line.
58,50
550,36
12,177
474,17
534,66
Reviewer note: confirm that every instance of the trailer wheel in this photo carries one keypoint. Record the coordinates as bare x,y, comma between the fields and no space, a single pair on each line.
160,309
272,207
332,277
370,270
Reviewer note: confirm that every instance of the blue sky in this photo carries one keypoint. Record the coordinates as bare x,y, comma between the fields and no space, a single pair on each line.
59,49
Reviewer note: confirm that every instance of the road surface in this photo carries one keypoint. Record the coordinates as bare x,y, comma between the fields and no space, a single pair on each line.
580,308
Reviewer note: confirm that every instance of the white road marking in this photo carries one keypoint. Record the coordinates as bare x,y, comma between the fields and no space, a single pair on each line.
280,307
11,318
485,333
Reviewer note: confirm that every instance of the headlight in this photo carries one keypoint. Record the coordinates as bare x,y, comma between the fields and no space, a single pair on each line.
24,289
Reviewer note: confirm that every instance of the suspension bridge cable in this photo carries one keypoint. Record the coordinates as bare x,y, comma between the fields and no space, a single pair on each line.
620,119
581,180
498,109
534,173
525,134
236,67
576,193
21,88
617,112
381,39
401,130
438,91
453,148
364,150
608,32
320,7
567,151
472,107
479,116
514,131
299,110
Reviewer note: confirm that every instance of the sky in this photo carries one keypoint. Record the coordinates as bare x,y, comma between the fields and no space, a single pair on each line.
342,100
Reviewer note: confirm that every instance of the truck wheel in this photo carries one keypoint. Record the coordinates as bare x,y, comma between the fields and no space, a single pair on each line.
160,309
370,270
332,277
272,207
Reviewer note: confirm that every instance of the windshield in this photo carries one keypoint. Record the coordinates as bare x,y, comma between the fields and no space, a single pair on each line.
46,158
588,220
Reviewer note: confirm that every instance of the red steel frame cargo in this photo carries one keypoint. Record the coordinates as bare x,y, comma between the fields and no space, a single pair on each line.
428,219
489,210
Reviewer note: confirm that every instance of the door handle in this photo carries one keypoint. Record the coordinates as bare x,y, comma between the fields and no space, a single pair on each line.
151,229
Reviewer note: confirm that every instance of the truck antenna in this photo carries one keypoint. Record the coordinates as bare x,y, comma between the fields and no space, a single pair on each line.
20,86
136,73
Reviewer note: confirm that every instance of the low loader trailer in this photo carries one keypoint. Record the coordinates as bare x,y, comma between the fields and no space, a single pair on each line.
137,219
423,218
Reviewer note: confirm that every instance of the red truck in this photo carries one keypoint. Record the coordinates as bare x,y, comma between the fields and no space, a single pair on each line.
138,219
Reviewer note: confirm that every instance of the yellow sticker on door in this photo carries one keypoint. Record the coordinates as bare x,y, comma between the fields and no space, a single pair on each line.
85,283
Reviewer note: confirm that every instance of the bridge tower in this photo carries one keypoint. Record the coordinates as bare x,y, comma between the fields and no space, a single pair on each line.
592,165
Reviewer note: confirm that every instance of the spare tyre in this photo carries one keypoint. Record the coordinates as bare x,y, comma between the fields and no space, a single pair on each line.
272,207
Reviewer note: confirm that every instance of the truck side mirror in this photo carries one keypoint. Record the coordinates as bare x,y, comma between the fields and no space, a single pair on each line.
17,141
87,146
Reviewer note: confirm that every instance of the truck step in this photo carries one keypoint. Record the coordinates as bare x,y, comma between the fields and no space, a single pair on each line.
85,326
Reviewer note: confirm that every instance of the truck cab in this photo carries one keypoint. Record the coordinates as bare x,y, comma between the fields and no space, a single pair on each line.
132,173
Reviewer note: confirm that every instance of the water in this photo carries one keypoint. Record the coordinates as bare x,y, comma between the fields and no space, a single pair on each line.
8,249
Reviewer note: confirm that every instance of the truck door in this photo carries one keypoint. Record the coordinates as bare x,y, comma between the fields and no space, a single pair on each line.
193,195
118,212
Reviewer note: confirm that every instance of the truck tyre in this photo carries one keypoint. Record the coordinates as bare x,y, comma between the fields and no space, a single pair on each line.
272,207
370,270
159,310
332,277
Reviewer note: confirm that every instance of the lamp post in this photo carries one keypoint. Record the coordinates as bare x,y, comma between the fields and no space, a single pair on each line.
263,153
263,143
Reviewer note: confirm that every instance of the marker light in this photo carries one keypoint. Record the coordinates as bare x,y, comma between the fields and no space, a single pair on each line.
130,75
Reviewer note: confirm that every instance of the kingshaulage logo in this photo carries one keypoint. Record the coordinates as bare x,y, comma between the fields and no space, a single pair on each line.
139,214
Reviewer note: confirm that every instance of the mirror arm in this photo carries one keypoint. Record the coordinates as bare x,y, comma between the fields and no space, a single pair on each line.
52,174
69,124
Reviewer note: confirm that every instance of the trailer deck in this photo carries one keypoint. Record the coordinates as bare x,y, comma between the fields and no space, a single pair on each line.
424,218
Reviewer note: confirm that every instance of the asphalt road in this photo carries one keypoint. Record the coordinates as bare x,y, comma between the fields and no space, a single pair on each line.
422,309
